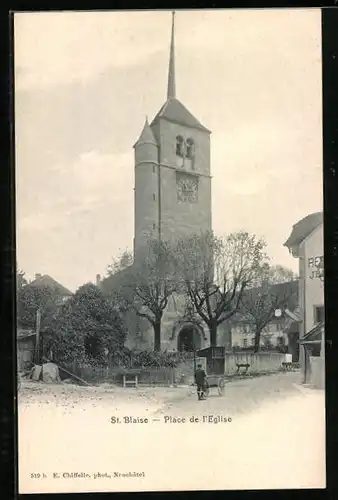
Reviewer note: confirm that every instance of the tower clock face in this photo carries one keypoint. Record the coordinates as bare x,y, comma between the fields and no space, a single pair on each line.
187,188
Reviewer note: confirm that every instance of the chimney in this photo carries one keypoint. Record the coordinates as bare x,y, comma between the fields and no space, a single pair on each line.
37,276
98,280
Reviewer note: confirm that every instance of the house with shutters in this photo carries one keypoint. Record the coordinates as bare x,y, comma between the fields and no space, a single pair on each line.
276,334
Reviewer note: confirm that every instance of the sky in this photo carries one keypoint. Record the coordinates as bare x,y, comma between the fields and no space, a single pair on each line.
84,84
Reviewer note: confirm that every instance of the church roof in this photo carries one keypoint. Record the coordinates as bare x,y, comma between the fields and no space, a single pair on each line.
147,136
113,281
303,229
171,92
173,110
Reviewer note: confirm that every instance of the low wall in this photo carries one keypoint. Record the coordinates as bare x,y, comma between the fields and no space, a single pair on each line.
317,372
260,362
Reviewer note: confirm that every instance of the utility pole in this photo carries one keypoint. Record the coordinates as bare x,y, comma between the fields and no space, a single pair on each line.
37,344
37,341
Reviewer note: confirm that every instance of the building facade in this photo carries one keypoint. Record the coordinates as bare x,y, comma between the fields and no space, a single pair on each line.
276,333
172,199
172,172
306,244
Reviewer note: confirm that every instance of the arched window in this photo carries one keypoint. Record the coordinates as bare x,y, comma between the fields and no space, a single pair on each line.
179,145
190,148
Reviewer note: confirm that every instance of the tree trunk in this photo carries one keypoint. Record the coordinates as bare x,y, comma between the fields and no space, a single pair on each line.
157,335
257,340
213,333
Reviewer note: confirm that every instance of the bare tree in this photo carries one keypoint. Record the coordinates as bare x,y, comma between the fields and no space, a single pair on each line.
147,284
276,288
215,272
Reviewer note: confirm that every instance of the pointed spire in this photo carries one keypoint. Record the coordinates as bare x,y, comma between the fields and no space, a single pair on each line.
171,74
147,136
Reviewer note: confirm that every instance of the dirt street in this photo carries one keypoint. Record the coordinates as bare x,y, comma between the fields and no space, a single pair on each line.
242,395
270,433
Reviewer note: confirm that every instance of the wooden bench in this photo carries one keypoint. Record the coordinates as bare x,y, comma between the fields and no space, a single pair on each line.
242,365
132,381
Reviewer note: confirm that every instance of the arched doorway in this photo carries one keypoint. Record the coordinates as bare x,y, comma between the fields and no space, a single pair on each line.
189,339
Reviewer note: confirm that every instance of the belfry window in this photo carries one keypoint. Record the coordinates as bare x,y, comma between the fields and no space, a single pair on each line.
179,145
190,148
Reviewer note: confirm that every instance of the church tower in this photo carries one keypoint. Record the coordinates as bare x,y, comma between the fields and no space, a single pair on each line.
172,171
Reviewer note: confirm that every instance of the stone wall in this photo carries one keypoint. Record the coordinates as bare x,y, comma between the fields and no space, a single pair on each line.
261,362
317,372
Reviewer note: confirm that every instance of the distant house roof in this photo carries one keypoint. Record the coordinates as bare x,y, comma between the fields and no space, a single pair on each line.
113,281
46,281
289,290
294,315
174,111
303,228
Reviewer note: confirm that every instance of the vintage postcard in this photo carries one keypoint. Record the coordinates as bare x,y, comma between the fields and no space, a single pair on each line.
170,302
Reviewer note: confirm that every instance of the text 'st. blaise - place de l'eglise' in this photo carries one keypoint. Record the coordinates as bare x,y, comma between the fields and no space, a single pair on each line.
172,200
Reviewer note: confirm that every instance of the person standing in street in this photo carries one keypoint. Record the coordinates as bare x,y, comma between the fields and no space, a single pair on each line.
200,381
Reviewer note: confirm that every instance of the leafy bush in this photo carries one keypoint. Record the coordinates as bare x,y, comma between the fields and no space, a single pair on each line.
87,328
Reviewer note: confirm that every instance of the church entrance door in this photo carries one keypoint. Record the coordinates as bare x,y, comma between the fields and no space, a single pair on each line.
189,339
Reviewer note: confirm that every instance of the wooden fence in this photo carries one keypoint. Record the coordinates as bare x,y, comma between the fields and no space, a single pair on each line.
146,376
